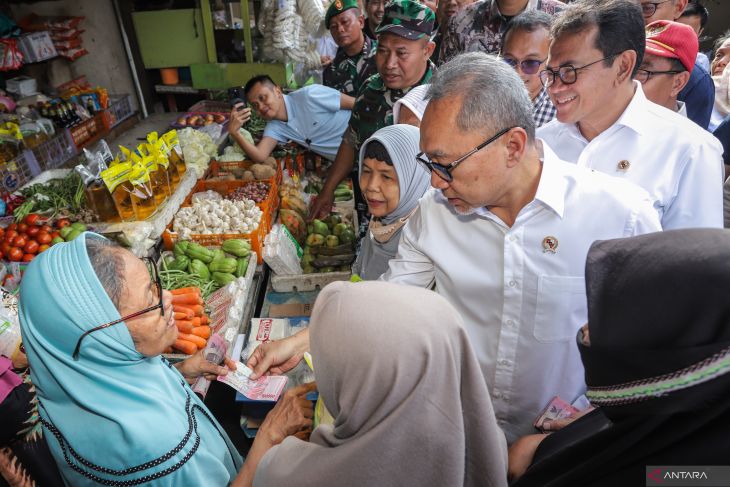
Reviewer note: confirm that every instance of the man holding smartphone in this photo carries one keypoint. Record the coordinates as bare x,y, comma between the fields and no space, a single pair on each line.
314,117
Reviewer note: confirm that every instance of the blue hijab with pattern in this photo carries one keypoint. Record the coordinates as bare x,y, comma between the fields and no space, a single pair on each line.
114,416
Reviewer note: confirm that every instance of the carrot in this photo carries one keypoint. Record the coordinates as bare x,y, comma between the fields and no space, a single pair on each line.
183,315
204,320
186,299
195,309
198,341
185,346
202,331
186,290
196,321
184,326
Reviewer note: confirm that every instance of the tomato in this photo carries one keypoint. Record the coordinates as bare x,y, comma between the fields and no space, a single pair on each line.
19,241
22,227
44,238
5,248
10,235
33,230
43,247
46,228
2,232
63,222
31,219
15,254
13,226
55,234
31,247
28,257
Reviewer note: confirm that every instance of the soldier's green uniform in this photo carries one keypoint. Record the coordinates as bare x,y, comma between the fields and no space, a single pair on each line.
374,103
346,73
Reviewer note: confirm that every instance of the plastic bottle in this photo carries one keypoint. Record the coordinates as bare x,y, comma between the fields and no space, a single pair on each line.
116,179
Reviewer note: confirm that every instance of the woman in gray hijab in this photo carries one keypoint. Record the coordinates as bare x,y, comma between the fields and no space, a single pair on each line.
392,182
408,398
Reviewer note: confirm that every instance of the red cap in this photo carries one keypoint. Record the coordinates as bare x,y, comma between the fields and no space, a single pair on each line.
672,40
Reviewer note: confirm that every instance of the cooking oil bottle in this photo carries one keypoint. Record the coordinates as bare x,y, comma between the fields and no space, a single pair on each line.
116,179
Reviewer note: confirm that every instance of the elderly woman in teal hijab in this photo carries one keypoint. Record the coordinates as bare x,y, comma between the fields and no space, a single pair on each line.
113,411
392,181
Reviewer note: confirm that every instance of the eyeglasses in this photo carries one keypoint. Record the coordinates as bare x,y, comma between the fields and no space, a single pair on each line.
528,66
649,8
567,73
643,75
150,264
444,171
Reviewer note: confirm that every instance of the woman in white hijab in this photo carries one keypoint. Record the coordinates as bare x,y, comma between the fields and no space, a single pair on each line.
409,401
392,182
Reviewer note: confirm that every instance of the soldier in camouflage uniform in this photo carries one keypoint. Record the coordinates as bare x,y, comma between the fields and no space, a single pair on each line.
479,26
354,62
402,58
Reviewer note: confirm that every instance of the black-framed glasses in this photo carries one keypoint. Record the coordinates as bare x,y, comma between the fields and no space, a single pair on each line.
150,264
567,73
649,8
643,75
527,66
444,171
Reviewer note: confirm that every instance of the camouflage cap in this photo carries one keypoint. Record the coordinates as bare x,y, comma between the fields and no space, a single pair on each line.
337,7
407,18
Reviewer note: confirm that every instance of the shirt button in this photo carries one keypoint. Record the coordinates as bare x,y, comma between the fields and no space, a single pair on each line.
504,362
512,284
510,323
512,238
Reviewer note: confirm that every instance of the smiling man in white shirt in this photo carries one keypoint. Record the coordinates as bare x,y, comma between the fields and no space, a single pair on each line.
605,122
505,232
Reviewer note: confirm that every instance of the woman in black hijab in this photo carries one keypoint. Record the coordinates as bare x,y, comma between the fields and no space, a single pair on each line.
657,363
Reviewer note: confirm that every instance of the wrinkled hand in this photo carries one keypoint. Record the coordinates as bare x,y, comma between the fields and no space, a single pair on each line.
321,205
195,366
238,118
521,454
292,415
275,357
325,60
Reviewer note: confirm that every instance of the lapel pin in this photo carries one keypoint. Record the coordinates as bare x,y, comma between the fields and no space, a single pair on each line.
550,244
623,165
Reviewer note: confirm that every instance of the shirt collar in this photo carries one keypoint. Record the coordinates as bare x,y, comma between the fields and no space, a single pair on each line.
634,116
541,99
494,14
552,186
290,111
682,108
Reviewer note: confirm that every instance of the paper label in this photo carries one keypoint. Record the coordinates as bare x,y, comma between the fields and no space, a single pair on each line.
265,388
264,329
116,175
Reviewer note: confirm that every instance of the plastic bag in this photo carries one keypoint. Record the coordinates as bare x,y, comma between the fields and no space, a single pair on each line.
282,252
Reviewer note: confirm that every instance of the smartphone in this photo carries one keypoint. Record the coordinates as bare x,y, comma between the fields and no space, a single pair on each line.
235,95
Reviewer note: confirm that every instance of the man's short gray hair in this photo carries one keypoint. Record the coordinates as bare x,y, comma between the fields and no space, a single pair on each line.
108,264
493,95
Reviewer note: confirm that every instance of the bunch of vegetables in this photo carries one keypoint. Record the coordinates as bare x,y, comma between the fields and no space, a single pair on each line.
62,197
256,191
217,217
23,241
330,246
193,325
205,268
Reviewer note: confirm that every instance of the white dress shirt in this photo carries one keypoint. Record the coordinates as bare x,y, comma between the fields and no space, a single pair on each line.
673,158
522,303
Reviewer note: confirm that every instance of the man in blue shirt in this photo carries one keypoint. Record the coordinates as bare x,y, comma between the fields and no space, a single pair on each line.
314,117
699,93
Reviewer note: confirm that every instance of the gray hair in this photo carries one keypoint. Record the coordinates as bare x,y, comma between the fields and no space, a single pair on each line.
494,97
108,264
721,40
528,21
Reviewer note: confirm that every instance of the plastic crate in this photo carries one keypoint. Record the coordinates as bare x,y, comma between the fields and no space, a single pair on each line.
19,171
120,109
256,238
55,152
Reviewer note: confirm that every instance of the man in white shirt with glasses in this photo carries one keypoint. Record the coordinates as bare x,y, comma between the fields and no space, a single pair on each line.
605,122
505,232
